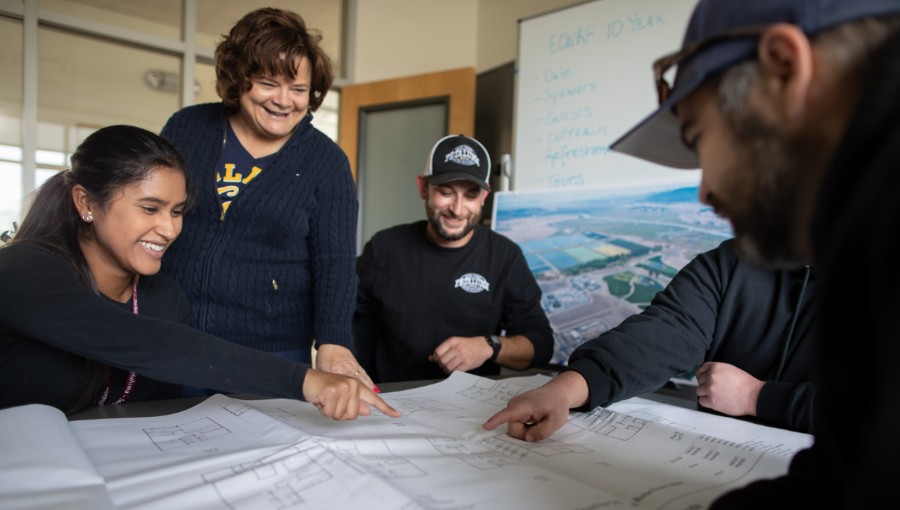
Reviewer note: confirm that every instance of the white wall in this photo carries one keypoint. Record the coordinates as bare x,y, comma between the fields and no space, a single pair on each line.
396,38
498,27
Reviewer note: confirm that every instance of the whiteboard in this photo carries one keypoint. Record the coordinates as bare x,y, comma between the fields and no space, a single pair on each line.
584,79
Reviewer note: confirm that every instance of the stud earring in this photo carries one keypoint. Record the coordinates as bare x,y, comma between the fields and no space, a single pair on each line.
88,217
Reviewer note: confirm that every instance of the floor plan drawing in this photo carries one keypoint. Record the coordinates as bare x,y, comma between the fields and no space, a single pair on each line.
496,393
178,436
279,454
410,405
608,423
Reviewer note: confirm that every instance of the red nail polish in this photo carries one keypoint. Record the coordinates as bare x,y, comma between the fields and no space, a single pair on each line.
375,389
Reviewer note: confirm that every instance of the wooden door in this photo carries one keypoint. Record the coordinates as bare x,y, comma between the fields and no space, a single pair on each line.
387,129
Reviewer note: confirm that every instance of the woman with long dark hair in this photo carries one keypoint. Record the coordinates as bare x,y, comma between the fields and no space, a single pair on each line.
85,318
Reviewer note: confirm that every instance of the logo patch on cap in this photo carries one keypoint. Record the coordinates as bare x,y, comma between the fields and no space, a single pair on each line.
463,155
458,157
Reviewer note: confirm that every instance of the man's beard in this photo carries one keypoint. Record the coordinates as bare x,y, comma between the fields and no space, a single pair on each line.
769,224
435,220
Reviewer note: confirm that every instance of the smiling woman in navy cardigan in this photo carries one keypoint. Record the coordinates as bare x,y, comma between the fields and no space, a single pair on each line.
269,251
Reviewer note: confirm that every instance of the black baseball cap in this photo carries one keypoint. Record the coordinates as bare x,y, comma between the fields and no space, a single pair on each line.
458,157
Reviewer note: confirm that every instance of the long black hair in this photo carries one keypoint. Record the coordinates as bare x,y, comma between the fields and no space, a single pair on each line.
105,162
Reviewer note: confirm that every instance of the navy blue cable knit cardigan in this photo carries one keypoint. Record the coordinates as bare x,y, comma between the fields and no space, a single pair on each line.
278,271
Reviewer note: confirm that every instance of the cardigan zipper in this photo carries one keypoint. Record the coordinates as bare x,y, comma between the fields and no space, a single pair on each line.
216,173
794,316
211,250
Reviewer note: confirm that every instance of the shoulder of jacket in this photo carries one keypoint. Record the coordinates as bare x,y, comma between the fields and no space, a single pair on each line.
28,256
200,121
21,248
722,259
205,110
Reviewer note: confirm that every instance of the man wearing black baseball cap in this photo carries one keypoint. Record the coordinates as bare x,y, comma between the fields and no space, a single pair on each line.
792,110
446,293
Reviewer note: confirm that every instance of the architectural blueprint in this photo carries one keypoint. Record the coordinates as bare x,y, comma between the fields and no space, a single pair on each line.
279,454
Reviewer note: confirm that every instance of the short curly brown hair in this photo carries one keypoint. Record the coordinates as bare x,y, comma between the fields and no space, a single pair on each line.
269,42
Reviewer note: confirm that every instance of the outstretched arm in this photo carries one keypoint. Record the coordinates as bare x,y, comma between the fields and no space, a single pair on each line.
538,413
341,397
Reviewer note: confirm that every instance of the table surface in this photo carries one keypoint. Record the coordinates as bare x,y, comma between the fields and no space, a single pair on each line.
681,396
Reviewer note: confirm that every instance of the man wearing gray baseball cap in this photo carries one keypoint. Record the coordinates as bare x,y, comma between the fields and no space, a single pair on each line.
792,110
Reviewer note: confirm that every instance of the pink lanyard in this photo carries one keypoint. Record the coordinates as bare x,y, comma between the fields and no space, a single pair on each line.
132,377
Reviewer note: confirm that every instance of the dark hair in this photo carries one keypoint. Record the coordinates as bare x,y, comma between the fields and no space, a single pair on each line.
270,42
105,162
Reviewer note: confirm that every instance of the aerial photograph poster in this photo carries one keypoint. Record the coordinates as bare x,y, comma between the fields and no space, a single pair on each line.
602,254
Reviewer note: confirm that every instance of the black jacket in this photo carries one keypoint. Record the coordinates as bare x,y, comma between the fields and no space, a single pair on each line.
717,308
50,323
856,232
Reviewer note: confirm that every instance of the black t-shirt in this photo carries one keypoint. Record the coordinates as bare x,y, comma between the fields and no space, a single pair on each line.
413,295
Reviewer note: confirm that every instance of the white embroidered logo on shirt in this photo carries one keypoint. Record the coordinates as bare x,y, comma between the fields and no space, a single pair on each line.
463,155
472,283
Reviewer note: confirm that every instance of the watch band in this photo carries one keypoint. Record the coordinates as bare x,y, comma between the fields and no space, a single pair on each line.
494,342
